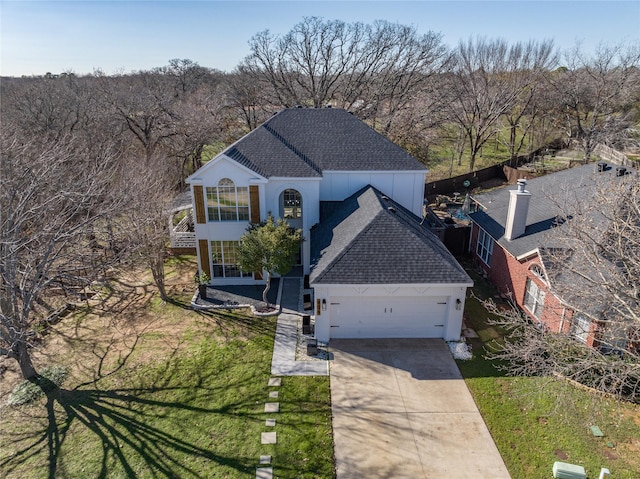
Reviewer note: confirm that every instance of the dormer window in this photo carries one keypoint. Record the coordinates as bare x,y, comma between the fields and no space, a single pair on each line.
227,202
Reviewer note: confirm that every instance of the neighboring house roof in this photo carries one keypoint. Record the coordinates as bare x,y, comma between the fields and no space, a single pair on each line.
182,201
553,196
303,142
371,239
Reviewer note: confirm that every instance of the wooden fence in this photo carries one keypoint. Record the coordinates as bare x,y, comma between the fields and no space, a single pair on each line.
449,185
614,156
456,183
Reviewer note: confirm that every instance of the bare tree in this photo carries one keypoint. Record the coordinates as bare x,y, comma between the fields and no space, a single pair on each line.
142,103
595,93
55,201
169,114
488,80
186,75
197,121
55,107
304,66
594,267
372,70
245,96
144,218
532,101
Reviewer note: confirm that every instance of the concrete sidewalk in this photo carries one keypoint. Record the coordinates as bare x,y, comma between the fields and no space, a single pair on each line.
283,362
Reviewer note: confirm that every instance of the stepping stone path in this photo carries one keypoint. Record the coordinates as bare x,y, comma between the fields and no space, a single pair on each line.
269,437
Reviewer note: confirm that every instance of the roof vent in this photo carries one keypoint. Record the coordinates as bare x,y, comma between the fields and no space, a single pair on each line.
602,166
385,197
522,184
621,171
392,209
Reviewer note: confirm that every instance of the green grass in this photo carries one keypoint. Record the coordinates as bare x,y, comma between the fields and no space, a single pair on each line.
198,413
210,151
536,421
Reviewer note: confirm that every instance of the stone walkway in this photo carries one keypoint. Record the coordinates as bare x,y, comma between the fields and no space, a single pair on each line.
283,362
265,470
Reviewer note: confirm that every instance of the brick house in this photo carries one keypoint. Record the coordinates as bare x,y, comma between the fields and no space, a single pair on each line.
512,243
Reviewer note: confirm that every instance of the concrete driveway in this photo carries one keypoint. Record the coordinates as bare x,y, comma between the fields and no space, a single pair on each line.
401,410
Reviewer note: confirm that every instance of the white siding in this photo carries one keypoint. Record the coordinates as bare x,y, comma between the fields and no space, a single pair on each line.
376,311
405,188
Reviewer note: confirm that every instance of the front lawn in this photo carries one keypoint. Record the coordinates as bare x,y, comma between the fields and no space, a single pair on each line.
536,421
163,391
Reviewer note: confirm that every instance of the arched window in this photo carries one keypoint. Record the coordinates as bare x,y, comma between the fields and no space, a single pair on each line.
226,202
291,205
537,272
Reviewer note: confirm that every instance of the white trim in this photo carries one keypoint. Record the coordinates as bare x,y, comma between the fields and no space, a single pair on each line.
486,250
425,287
542,276
576,320
528,254
537,296
413,172
195,178
295,178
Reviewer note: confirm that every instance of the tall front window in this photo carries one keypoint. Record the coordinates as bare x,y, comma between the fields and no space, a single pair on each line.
534,298
485,247
226,202
224,259
292,204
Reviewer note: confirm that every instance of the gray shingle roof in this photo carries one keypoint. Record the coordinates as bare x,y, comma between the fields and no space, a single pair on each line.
552,195
365,242
267,155
302,142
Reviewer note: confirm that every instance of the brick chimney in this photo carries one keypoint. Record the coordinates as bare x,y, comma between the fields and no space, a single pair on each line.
518,210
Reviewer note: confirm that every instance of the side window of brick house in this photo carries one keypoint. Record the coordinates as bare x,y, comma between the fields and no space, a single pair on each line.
484,248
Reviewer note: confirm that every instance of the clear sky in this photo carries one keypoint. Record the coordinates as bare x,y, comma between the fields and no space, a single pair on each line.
120,35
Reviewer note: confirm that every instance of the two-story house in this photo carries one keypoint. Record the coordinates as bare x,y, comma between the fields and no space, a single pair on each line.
376,271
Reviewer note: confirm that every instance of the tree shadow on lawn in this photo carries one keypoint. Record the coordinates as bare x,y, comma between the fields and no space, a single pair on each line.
231,322
148,429
125,422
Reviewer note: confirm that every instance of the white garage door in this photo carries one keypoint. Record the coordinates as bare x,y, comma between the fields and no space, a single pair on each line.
388,317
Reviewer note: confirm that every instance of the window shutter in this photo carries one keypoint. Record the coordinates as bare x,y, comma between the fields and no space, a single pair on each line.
198,197
254,201
204,256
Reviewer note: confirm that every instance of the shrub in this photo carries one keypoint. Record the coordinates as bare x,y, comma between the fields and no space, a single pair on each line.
28,391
